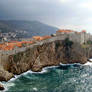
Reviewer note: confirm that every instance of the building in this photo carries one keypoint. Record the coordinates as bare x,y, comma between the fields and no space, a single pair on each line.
80,37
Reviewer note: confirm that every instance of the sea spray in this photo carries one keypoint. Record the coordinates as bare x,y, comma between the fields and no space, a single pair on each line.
10,83
88,63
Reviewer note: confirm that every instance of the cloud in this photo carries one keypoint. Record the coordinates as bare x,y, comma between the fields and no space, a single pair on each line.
63,1
73,27
86,5
66,1
70,13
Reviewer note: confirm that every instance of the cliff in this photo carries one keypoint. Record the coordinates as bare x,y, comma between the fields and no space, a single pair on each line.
45,53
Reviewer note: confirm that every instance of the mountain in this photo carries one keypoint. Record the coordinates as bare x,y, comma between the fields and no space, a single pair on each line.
30,28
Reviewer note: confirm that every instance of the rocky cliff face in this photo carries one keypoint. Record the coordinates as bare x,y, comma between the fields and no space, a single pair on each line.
46,54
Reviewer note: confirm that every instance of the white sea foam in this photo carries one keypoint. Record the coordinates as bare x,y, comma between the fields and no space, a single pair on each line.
90,59
35,89
17,76
88,63
10,82
44,70
7,85
51,67
70,64
64,64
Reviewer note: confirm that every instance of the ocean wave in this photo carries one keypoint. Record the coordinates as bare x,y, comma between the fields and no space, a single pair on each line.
44,70
90,59
10,83
88,63
35,89
7,85
70,64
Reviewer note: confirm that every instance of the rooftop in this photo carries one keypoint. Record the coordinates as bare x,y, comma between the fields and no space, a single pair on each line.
70,31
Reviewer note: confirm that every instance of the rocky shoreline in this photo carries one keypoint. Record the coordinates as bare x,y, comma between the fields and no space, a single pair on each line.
46,53
1,87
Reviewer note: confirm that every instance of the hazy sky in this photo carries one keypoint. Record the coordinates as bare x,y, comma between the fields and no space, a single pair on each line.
74,14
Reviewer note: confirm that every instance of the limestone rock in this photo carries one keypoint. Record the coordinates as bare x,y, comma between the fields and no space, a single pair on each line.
1,87
5,75
47,53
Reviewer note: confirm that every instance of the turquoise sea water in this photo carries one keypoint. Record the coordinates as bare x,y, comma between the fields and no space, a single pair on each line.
64,78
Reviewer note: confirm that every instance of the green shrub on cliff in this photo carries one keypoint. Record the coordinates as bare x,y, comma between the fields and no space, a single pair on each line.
17,57
67,43
89,42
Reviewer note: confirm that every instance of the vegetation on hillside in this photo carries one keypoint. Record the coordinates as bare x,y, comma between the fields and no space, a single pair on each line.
30,27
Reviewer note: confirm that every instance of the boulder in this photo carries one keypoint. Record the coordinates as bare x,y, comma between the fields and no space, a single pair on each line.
5,75
1,87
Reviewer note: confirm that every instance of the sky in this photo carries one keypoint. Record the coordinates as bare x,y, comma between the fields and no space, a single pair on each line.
64,14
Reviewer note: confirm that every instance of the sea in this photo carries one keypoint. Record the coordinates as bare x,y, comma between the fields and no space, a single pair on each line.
62,78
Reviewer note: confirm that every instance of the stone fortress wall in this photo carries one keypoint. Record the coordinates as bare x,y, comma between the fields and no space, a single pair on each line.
4,55
80,37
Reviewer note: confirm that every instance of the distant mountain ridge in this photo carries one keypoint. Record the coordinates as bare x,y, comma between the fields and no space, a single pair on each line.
31,27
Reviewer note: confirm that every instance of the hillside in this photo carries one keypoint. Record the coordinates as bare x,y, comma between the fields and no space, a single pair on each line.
30,28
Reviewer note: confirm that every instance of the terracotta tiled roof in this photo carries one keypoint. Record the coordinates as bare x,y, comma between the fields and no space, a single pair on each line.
65,31
83,31
46,37
12,45
39,38
69,31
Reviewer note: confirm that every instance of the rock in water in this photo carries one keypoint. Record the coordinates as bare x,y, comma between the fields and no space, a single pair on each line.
1,87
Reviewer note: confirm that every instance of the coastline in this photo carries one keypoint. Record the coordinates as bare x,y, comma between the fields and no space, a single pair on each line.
49,53
44,70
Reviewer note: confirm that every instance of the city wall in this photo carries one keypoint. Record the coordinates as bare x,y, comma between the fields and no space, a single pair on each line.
75,37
